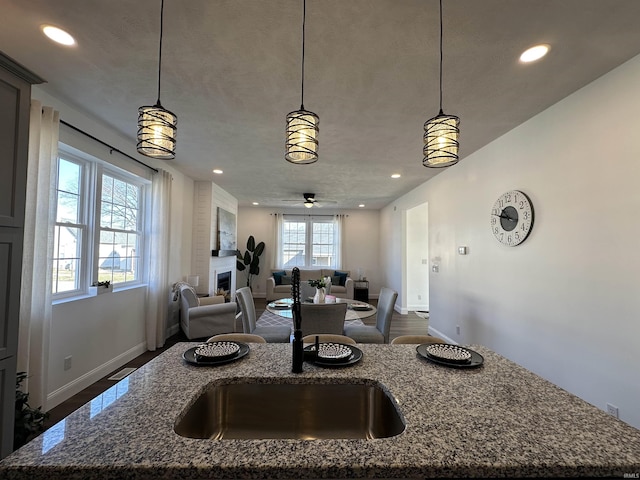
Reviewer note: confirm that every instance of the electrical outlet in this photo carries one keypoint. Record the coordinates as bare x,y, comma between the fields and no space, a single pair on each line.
458,329
67,363
612,410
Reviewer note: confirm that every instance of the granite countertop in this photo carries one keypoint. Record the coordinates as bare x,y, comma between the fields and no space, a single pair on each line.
499,420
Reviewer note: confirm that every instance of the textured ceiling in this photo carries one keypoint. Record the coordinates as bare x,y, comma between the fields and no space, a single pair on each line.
231,72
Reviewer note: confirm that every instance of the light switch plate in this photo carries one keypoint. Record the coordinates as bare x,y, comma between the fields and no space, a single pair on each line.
462,250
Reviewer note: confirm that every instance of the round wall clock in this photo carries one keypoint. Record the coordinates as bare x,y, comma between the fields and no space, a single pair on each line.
512,218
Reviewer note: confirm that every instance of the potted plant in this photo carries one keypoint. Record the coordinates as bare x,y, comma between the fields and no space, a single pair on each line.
250,260
28,421
320,290
98,288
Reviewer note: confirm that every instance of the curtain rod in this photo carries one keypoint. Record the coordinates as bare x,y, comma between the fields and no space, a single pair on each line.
113,149
309,214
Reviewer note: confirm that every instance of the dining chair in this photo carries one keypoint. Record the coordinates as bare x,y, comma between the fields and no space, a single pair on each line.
272,334
380,332
328,338
322,318
417,339
237,337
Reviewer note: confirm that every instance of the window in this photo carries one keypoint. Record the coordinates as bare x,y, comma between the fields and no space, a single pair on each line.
70,228
310,242
98,231
120,234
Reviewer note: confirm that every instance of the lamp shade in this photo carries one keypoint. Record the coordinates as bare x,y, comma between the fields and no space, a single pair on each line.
302,137
441,135
157,128
193,280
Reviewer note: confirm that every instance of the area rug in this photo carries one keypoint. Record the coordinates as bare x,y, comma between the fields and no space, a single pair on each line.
268,319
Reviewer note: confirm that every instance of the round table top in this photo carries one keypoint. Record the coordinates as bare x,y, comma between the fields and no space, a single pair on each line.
355,309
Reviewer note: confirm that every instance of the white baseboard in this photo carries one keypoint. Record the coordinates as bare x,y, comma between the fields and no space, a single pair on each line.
67,391
437,333
419,308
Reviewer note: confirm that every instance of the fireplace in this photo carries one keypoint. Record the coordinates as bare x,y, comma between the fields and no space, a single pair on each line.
223,282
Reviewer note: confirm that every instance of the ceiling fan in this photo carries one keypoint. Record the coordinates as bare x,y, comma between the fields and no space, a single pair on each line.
309,201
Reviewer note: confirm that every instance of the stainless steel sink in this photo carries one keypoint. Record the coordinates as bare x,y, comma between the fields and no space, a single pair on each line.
247,410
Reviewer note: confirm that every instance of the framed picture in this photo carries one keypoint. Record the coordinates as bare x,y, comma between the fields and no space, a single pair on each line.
226,230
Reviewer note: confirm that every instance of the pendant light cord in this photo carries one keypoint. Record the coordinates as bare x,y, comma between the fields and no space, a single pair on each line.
160,49
441,112
304,20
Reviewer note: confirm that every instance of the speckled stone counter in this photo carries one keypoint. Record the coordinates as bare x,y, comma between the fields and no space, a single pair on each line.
496,421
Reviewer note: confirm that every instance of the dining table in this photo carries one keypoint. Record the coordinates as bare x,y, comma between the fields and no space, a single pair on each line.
279,313
356,310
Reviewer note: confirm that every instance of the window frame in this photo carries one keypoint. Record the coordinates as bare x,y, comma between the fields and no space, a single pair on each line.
90,193
141,223
309,222
84,194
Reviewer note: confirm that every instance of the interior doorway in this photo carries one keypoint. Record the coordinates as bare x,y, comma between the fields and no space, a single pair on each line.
417,260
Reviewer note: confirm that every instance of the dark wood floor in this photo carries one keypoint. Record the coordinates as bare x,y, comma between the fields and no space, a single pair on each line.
409,324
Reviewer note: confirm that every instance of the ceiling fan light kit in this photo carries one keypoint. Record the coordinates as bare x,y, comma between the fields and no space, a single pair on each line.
441,132
302,125
157,126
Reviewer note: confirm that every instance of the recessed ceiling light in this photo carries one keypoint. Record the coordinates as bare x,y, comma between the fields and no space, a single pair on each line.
58,35
256,203
361,205
534,53
396,175
217,171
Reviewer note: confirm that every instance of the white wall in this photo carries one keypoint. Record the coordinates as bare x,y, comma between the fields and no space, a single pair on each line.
417,259
104,332
361,236
565,303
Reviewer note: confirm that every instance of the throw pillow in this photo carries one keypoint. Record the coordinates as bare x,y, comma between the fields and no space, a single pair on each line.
286,280
343,277
335,280
277,276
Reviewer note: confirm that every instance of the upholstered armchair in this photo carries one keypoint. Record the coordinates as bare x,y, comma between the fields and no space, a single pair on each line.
207,316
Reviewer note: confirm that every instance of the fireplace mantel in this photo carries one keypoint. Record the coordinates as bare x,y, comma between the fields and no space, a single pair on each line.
223,253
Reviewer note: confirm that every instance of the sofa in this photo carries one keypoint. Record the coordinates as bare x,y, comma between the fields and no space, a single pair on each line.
279,283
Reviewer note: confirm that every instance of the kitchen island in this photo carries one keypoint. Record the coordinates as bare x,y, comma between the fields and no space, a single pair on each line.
499,420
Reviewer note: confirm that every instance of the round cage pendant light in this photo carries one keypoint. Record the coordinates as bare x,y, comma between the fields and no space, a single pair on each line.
441,132
302,130
157,126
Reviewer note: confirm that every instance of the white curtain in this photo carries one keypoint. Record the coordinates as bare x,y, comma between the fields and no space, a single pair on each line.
35,294
339,242
158,260
278,227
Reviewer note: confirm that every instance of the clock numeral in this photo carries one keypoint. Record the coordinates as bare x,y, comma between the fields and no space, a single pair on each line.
526,215
493,220
517,235
524,227
495,230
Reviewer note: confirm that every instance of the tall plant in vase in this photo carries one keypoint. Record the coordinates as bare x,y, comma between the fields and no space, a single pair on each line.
250,261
